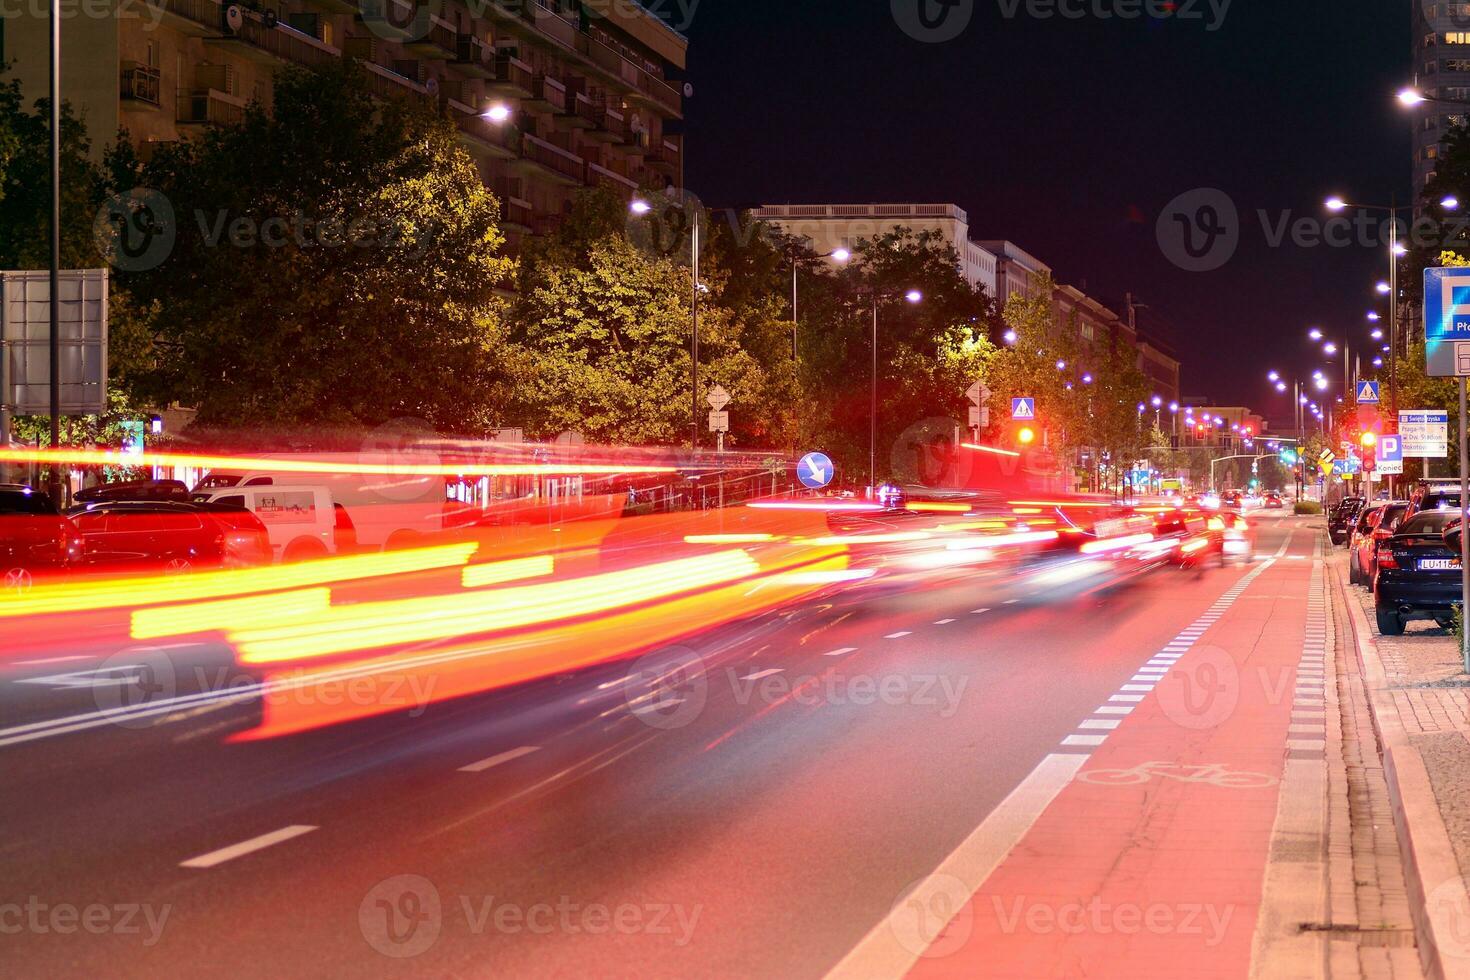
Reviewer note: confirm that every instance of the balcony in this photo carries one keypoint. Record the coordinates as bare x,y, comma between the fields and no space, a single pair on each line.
547,95
210,107
599,176
278,43
199,18
518,214
473,56
386,84
580,112
663,157
141,86
482,134
512,77
561,165
439,44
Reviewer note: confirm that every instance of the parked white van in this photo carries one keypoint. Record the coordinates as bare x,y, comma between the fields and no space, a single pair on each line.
385,512
303,522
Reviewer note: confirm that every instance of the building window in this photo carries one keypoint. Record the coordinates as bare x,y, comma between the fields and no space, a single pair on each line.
1457,37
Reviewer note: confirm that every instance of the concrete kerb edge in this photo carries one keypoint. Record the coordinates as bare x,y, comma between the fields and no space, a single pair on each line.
1430,865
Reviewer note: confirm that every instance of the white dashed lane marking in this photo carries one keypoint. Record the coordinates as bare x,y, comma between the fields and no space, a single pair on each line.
247,847
496,760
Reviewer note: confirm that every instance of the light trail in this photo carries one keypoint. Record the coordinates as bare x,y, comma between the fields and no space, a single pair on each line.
397,466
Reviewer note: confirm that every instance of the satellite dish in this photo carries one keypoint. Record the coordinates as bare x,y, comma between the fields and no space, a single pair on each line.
688,90
432,85
234,18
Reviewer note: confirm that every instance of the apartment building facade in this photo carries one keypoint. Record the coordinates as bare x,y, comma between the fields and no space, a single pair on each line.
832,226
548,96
1441,60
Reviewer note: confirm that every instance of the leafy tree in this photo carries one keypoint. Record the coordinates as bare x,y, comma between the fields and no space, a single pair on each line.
25,185
334,262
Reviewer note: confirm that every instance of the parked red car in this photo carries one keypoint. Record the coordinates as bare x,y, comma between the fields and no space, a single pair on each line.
35,539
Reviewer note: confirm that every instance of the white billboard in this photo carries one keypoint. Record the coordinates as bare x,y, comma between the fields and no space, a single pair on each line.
25,329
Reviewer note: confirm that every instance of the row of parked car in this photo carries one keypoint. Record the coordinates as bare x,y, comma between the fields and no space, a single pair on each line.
1406,552
161,525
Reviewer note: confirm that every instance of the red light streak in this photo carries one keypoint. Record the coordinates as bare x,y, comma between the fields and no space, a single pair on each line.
398,466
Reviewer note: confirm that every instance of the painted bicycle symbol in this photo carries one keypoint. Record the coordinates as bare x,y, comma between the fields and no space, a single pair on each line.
1213,774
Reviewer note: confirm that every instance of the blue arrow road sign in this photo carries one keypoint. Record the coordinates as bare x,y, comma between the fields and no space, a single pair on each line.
1367,392
814,470
1023,409
1390,449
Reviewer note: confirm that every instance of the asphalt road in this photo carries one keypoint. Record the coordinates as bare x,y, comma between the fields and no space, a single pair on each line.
750,802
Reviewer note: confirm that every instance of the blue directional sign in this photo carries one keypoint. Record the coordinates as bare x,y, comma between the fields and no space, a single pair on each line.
1368,393
1447,322
1390,449
1023,409
814,470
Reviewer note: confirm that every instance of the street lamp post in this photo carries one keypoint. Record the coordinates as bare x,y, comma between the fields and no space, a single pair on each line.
642,207
913,296
793,255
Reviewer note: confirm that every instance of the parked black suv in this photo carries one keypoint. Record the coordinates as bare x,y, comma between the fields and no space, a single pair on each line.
1418,572
1340,519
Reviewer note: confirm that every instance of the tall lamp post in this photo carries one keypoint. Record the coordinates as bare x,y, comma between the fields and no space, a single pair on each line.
794,252
642,207
912,296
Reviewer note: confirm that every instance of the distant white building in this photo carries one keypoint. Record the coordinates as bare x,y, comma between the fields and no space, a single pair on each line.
833,226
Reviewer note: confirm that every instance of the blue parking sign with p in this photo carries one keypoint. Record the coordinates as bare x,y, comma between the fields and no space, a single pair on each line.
1023,409
1391,449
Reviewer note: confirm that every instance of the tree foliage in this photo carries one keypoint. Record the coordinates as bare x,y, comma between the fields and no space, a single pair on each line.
334,261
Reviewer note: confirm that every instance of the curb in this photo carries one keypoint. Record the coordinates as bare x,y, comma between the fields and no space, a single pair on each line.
1438,900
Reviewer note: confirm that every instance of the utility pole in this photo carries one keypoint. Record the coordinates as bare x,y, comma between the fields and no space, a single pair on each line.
55,265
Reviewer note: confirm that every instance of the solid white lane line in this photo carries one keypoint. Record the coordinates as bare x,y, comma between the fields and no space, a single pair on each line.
763,673
899,635
496,760
246,847
840,651
894,944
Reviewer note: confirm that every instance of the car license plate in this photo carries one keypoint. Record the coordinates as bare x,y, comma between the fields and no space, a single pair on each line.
1438,564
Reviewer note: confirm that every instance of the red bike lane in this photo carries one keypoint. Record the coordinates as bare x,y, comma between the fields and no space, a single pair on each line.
1150,861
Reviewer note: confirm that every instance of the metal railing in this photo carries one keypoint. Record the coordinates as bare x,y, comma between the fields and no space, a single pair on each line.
142,84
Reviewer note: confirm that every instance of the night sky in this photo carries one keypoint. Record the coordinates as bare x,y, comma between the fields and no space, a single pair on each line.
1070,136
